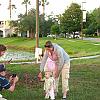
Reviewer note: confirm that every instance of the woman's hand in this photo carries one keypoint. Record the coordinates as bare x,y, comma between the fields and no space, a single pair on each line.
56,72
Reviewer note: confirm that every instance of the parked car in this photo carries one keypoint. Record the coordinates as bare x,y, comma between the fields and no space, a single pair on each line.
76,35
51,35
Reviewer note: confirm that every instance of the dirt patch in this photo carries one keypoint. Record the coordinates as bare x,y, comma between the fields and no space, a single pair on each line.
29,80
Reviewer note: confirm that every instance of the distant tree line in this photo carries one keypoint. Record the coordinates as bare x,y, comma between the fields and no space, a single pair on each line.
68,22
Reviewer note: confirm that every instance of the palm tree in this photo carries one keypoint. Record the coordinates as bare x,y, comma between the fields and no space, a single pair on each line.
43,3
26,2
11,7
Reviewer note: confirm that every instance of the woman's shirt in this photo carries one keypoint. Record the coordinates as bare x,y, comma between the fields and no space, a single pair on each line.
60,57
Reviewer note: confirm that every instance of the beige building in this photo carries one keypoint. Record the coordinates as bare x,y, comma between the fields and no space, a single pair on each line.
5,29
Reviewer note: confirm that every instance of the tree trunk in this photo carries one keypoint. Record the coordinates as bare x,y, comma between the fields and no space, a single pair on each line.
98,32
65,35
31,34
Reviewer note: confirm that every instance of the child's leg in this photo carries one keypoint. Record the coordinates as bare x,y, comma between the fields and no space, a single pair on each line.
47,96
51,93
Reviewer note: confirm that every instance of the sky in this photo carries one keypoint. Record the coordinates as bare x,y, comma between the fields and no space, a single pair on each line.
55,7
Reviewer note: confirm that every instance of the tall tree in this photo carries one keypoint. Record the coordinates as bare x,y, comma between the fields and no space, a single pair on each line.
46,24
55,29
71,19
26,23
93,21
43,3
98,21
10,8
26,2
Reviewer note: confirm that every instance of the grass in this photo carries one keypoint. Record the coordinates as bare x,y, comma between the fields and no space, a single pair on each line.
74,47
84,77
84,81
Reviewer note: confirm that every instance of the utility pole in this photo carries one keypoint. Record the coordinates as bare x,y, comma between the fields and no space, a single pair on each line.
37,23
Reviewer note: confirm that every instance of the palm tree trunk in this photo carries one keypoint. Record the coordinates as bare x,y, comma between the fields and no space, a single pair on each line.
26,8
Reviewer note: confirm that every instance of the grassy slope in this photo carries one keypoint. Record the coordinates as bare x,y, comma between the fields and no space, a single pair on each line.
84,81
74,48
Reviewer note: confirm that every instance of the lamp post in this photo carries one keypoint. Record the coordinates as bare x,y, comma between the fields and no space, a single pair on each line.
83,17
37,23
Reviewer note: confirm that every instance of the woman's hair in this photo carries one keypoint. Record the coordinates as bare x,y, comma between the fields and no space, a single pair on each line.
2,47
48,44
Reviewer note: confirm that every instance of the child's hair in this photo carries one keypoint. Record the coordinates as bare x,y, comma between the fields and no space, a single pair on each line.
49,72
2,47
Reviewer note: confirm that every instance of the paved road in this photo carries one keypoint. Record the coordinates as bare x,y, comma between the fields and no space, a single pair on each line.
92,39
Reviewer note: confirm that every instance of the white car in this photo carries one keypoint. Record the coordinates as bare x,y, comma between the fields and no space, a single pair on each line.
76,35
51,36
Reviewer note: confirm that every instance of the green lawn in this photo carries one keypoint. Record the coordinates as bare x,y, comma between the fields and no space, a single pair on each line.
74,47
84,77
84,81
